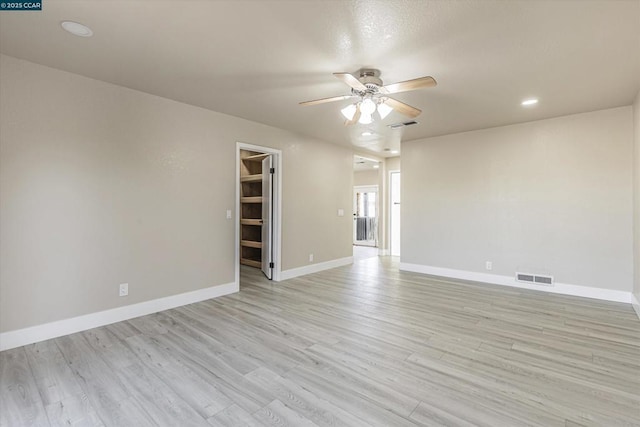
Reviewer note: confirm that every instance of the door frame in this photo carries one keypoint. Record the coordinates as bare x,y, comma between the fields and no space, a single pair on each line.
376,243
391,172
266,233
277,207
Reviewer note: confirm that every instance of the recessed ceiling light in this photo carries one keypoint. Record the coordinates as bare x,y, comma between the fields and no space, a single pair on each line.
366,133
76,29
376,166
394,151
528,102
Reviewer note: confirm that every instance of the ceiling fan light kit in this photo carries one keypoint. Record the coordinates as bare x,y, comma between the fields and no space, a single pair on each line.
365,119
384,110
367,106
349,111
374,96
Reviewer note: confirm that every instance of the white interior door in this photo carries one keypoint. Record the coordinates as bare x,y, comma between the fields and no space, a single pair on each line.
394,197
365,215
267,216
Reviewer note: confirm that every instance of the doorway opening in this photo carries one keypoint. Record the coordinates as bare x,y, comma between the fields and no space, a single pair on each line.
365,215
258,207
368,229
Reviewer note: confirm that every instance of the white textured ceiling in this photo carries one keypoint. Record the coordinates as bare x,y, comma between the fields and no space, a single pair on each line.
364,163
258,59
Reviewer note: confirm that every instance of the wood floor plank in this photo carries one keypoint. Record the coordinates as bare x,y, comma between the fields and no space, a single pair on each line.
314,408
240,349
112,349
200,394
559,397
113,403
180,323
234,416
427,414
216,372
20,401
453,393
359,345
583,375
271,325
163,404
262,347
73,411
52,374
123,330
278,414
348,399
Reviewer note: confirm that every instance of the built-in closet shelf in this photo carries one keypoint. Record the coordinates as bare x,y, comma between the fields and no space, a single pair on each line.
251,178
246,221
251,244
255,199
251,262
255,158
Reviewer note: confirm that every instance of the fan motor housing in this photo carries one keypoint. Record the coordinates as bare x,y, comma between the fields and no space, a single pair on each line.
370,76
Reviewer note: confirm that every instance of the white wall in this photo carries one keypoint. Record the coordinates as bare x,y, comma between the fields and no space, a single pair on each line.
317,181
636,206
366,177
390,164
393,163
101,185
552,196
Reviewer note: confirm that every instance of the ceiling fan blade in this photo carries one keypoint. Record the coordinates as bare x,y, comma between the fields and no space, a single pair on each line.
419,83
403,108
351,81
323,100
355,119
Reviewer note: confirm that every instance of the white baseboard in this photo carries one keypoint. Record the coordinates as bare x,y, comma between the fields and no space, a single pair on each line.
314,268
383,252
33,334
557,288
635,302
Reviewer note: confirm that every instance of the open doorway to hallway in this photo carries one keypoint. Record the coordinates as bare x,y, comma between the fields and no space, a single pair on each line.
381,175
365,215
367,204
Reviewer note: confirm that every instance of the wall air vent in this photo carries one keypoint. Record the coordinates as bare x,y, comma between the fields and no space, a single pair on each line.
544,280
521,277
536,279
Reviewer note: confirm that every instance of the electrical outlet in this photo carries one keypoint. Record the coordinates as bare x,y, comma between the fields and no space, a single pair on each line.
124,289
310,257
489,265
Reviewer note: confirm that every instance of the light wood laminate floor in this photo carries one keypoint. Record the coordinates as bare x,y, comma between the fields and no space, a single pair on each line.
358,345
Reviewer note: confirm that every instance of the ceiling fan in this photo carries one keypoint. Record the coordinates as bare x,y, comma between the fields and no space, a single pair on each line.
374,96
